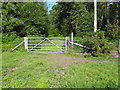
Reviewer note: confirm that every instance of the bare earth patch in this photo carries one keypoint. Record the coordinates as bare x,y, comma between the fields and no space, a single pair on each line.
65,62
68,60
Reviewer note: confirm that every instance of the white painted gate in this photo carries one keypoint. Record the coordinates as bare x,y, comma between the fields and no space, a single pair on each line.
46,44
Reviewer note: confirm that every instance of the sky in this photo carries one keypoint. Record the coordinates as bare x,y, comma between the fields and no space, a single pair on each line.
50,5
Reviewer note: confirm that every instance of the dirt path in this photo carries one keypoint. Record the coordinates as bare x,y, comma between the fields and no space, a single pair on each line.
68,60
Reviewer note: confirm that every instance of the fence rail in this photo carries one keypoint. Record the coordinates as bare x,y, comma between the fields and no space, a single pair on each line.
45,44
46,37
47,47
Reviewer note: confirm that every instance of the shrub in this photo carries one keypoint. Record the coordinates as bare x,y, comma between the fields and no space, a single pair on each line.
6,38
112,31
79,40
10,41
98,44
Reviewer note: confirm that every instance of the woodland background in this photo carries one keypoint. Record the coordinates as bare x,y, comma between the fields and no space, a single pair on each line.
32,19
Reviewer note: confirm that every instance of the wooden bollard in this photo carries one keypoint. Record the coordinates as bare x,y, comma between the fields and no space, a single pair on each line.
67,44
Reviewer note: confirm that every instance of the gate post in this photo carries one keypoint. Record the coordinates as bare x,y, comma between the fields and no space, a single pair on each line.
67,43
72,38
26,43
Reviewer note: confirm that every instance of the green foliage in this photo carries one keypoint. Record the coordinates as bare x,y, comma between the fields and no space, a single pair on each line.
24,18
112,31
70,16
6,38
82,19
98,44
80,40
31,19
10,41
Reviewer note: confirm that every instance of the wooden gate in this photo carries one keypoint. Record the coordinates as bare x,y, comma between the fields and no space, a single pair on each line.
46,44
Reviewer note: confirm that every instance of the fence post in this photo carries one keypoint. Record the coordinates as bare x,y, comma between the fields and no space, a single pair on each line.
119,46
26,43
72,38
67,43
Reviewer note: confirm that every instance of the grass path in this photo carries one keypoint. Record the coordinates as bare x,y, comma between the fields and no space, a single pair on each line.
25,70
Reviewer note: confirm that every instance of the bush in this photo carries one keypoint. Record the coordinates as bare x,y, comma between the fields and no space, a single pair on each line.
79,40
98,44
10,41
112,31
6,38
33,36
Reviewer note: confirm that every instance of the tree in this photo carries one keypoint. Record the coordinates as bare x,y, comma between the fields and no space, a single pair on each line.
73,17
0,17
82,19
25,18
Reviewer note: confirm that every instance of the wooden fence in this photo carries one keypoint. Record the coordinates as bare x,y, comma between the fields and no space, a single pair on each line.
48,44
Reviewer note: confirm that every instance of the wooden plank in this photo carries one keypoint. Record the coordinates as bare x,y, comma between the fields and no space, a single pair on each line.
72,38
46,37
44,52
119,46
46,44
79,45
45,41
67,43
18,45
47,47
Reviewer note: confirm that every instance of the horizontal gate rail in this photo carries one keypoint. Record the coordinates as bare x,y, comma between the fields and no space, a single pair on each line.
46,44
44,49
47,47
46,37
41,40
44,52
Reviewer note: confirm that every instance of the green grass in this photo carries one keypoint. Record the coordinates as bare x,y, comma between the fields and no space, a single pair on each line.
107,57
91,75
21,69
30,70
